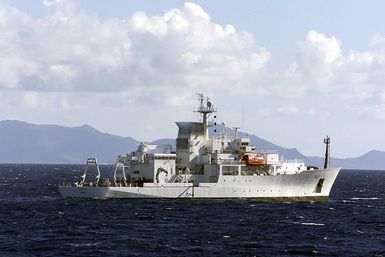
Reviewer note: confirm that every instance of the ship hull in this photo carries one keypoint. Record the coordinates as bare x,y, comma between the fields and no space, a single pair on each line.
312,185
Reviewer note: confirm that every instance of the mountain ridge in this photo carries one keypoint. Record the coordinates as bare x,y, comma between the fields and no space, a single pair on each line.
23,142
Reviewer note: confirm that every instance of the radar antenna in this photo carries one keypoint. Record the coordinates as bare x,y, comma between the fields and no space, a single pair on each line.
205,109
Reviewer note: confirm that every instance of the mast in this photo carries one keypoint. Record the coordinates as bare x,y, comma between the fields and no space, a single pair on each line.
205,109
236,131
327,152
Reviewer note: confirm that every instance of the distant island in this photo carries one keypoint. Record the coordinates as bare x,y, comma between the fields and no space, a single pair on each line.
22,142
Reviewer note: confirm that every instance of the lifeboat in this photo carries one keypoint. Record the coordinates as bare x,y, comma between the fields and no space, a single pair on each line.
254,159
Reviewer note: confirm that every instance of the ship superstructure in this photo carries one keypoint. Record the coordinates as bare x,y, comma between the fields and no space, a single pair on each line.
220,166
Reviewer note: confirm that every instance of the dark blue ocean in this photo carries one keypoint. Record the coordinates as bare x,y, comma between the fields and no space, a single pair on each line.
36,221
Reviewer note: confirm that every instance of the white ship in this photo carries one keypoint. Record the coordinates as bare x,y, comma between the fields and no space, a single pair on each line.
204,167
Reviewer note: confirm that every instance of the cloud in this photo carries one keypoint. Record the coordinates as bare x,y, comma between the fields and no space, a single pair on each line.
165,59
377,40
290,109
32,100
317,58
323,68
70,50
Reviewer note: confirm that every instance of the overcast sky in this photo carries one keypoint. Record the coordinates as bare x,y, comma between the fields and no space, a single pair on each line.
300,70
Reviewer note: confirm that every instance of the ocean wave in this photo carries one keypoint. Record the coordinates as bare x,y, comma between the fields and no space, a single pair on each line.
312,224
365,198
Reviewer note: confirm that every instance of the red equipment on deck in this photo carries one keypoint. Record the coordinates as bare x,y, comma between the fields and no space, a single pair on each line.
254,159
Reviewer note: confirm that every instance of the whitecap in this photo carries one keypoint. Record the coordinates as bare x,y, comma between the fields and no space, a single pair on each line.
364,198
312,224
348,201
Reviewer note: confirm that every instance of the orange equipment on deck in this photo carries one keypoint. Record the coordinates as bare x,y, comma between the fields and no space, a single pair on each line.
255,159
